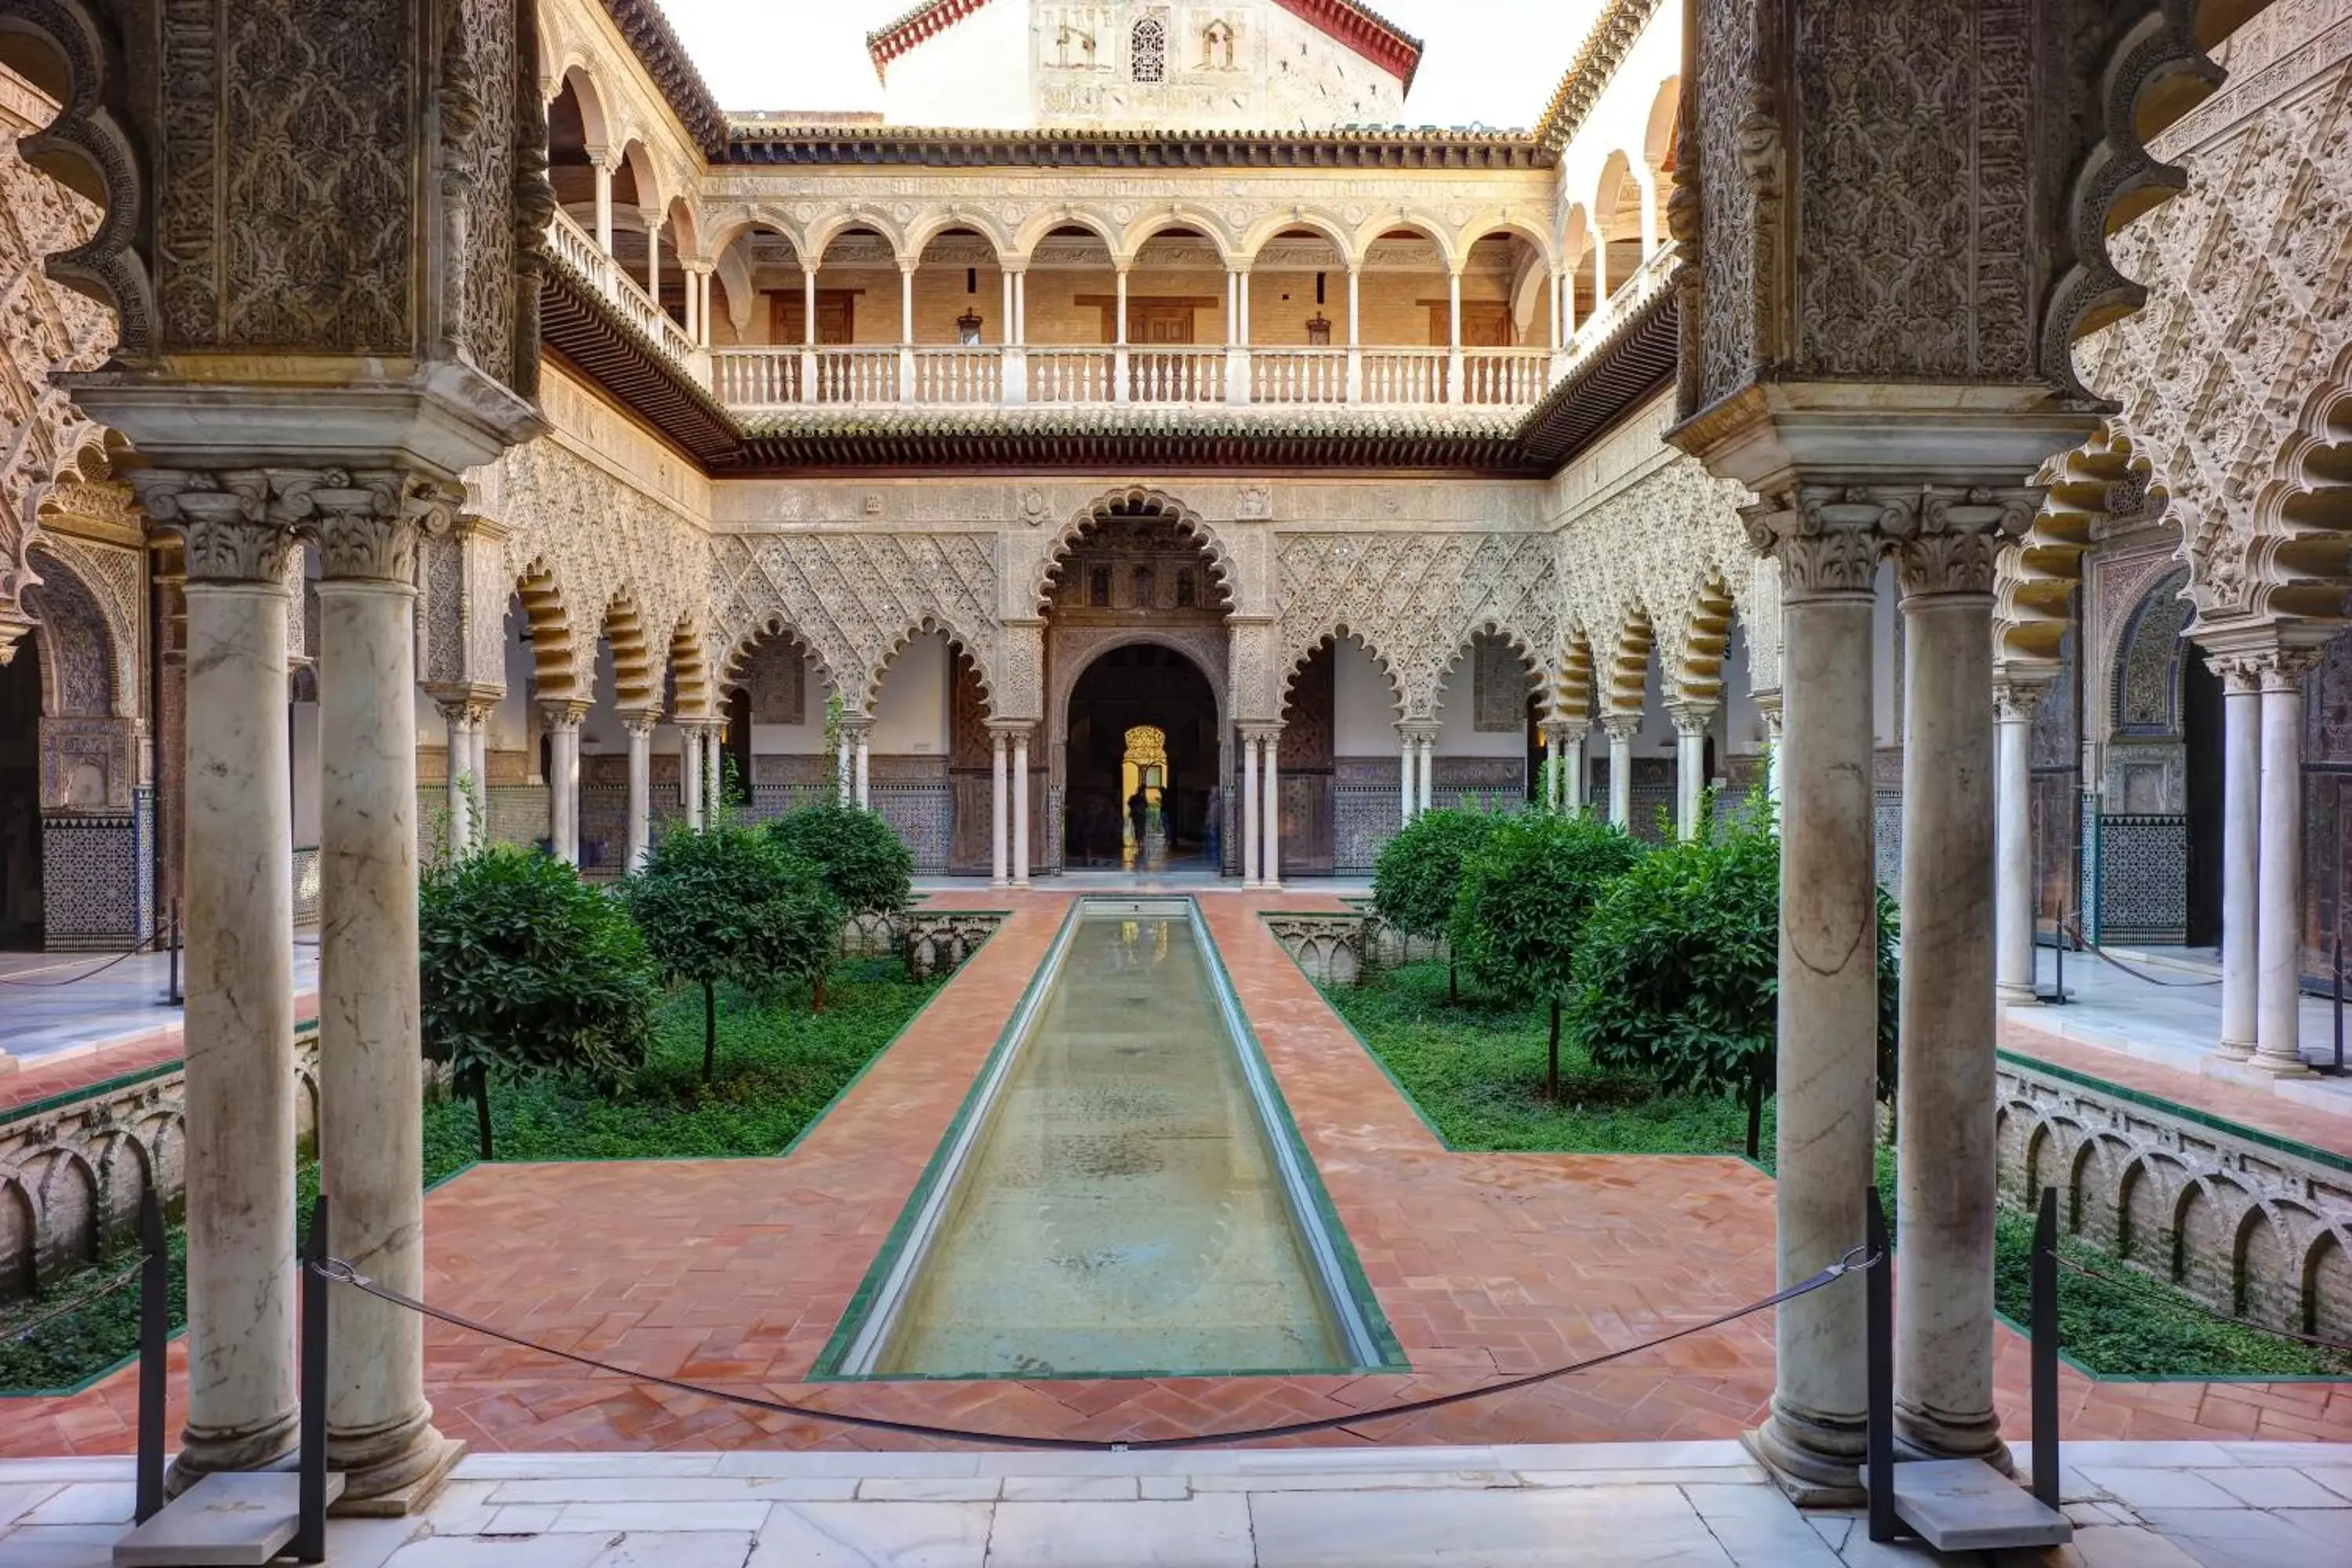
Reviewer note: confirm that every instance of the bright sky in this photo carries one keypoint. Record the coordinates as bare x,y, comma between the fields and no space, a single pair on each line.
1492,62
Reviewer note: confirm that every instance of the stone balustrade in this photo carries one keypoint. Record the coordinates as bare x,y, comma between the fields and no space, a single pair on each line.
2247,1224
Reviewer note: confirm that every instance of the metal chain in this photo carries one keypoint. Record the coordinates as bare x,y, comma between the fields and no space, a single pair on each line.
341,1272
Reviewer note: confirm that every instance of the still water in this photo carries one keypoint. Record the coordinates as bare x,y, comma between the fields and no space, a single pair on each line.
1122,1209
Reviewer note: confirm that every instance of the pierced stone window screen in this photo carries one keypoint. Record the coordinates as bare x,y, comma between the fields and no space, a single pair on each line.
1147,51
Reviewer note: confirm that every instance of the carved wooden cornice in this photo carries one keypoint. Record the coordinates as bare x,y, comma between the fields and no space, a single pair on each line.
657,48
1619,376
1603,51
757,141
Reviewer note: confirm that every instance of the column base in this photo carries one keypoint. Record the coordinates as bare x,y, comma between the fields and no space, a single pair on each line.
204,1454
2277,1066
1000,881
400,1484
2235,1050
2010,995
1921,1436
1827,1475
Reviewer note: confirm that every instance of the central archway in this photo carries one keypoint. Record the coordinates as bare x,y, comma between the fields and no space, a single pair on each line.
1136,686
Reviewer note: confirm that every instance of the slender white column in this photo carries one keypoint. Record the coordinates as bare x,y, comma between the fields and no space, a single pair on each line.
714,769
1021,808
640,728
1559,328
1600,270
865,769
1947,1095
1571,756
690,772
1424,796
457,718
1119,391
562,721
845,764
1233,309
1454,335
380,1431
653,255
2241,817
1272,747
239,1023
2015,699
907,303
998,874
1690,721
1767,703
1828,1004
1021,307
1622,728
1241,287
2278,937
808,306
603,161
477,734
1406,745
1251,820
1004,308
693,302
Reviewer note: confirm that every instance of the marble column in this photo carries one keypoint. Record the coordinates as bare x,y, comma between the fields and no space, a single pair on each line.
640,728
561,720
1691,719
380,1431
2241,817
457,718
1251,820
1406,747
2016,698
1425,795
1572,760
844,767
1768,704
1553,794
238,1026
1947,1095
998,872
713,763
1622,728
865,768
1828,1006
690,772
1270,877
477,734
1021,808
2278,935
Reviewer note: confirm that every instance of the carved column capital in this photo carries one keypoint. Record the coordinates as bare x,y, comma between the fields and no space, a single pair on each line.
1952,537
2018,689
2240,673
1415,730
367,527
1691,716
641,721
233,524
562,713
2283,668
1622,726
1827,538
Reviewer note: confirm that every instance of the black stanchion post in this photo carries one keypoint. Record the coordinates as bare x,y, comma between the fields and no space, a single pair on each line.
2335,964
174,998
1878,1430
154,1334
2044,1349
2058,991
310,1543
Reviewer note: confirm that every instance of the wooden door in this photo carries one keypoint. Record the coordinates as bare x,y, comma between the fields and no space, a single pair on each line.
1160,321
1485,323
837,317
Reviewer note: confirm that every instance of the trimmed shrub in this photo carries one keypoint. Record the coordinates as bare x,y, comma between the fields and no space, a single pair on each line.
866,866
1524,896
1678,972
525,968
1418,870
728,903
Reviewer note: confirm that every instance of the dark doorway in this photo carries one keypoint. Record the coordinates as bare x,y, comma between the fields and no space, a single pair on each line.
1140,685
21,914
2201,730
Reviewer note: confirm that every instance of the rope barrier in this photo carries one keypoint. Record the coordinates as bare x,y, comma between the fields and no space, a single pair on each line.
70,1308
2221,1317
2104,956
146,945
339,1271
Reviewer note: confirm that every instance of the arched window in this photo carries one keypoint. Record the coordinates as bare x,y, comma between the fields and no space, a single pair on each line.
1146,50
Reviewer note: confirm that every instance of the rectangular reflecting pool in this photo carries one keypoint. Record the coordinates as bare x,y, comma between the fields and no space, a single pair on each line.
1122,1193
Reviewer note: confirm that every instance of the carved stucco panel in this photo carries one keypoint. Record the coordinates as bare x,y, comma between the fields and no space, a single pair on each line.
2247,334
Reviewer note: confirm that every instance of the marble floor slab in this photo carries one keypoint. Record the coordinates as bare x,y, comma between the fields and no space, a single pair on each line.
1637,1504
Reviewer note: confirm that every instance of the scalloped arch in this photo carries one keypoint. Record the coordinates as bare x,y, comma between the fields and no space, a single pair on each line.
1296,657
960,643
1135,500
548,622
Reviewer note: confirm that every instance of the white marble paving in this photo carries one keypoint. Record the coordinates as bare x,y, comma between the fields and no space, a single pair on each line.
2135,1505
